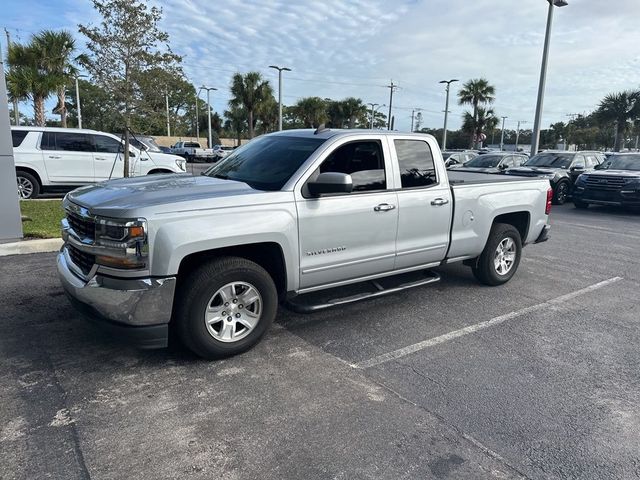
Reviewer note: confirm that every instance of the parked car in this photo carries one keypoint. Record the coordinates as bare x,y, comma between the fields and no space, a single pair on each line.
615,182
193,152
452,158
59,159
288,214
561,168
495,162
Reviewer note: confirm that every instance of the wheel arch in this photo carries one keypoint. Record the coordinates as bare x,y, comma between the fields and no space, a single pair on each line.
519,220
31,171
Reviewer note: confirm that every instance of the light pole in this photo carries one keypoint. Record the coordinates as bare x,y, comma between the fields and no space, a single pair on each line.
413,113
208,89
502,134
535,137
372,107
280,70
446,111
518,133
78,102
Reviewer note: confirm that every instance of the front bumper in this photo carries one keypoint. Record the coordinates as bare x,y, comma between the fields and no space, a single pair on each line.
135,310
624,198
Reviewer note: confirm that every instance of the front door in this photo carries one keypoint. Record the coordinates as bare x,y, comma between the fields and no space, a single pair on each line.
424,203
353,235
108,159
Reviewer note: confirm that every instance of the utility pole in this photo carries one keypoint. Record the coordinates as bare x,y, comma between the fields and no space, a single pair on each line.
392,87
197,116
502,135
16,112
208,89
280,70
446,111
166,99
372,113
78,103
518,133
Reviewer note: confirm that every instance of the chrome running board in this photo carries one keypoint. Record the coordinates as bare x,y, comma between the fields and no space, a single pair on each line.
322,299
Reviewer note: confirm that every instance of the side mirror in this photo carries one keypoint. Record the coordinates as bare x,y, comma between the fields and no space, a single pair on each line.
577,168
331,182
503,166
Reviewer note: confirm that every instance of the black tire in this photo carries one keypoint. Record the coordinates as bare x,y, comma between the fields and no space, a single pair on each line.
560,193
580,205
25,178
196,291
484,268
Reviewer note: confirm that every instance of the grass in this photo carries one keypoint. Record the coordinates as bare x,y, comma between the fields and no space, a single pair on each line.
45,216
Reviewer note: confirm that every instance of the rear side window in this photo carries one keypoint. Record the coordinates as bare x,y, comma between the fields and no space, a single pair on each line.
416,163
17,136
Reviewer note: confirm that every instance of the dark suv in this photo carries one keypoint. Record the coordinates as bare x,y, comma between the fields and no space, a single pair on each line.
561,168
615,182
494,162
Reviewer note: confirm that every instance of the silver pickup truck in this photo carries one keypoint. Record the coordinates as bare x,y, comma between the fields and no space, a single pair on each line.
310,219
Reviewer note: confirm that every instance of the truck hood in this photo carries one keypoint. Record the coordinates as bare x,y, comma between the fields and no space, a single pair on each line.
615,173
122,196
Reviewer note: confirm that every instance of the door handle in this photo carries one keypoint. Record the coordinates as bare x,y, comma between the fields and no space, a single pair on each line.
438,202
383,207
101,158
55,157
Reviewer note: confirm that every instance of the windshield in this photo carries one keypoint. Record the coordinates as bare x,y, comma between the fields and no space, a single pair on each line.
484,161
266,163
624,162
549,159
151,144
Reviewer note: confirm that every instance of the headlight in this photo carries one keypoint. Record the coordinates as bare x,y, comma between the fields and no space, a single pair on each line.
125,243
581,178
182,164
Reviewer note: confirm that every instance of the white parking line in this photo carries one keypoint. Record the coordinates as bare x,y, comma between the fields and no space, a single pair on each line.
402,352
594,227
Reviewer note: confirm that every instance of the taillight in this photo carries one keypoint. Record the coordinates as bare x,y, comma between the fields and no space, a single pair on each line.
547,209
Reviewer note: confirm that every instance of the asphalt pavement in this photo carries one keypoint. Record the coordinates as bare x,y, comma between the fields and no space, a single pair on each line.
539,378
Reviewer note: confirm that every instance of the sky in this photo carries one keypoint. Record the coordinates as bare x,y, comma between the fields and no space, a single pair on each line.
340,48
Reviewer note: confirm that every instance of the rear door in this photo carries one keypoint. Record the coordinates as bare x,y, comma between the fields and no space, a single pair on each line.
352,235
424,204
68,157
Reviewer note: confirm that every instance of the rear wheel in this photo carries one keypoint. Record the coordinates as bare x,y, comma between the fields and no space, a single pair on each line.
501,256
225,308
560,193
28,186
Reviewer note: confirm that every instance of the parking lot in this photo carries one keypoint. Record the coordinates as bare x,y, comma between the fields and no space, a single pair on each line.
538,379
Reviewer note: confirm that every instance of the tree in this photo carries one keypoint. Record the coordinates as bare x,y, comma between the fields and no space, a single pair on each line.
236,121
311,111
485,120
28,78
267,113
99,111
355,111
620,109
249,92
476,92
57,59
126,45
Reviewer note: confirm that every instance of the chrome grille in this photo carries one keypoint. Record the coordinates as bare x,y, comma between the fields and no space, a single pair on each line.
84,227
84,261
607,183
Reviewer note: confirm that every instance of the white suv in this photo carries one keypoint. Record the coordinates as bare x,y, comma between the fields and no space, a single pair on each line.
50,159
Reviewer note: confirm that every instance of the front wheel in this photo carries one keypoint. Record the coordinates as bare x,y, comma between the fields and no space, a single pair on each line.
225,307
501,256
28,186
561,193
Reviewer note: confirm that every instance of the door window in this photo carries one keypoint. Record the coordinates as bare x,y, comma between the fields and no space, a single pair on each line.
591,161
107,144
72,142
519,160
364,161
508,161
416,163
578,162
17,136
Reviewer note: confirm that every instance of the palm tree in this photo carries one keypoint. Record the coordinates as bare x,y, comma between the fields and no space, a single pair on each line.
485,120
476,92
236,121
28,79
56,49
249,91
354,109
619,108
312,111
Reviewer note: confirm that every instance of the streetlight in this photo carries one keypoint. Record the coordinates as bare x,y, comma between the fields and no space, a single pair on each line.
446,111
208,89
280,70
166,99
372,107
502,134
535,137
78,101
518,133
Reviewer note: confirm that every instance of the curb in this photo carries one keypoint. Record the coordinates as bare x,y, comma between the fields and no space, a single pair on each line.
30,246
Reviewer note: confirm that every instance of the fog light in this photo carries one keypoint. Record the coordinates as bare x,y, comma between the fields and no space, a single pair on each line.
119,262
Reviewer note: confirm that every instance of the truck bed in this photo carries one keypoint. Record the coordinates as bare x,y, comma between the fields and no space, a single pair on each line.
465,177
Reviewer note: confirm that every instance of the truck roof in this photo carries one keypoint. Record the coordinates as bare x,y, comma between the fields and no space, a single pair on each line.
327,133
